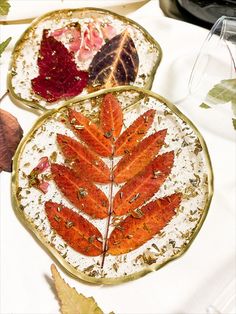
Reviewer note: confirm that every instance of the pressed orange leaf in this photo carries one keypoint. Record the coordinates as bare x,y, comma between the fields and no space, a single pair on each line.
75,230
82,193
140,156
136,230
111,116
144,185
134,133
10,136
89,133
86,163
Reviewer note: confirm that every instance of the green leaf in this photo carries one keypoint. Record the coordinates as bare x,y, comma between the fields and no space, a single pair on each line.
205,106
234,123
223,92
4,44
4,7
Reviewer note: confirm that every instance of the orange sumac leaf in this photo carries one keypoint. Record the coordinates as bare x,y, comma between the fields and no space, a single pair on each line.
86,163
89,133
10,136
83,194
134,133
144,185
75,230
111,116
133,232
140,156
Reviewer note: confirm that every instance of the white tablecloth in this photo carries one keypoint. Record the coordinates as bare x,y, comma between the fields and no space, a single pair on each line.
187,285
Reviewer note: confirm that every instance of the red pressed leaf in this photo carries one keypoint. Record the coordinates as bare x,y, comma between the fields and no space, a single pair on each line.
91,42
108,31
10,136
134,231
76,231
144,185
140,156
58,75
72,32
86,163
111,116
134,133
33,177
43,186
42,165
89,133
83,194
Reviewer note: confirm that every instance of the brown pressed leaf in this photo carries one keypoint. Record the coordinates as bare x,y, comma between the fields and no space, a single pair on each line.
136,230
82,193
116,63
111,116
85,162
144,185
72,302
10,136
140,156
134,133
75,230
89,133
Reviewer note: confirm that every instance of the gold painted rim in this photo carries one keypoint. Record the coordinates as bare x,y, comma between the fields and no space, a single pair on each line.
34,105
56,256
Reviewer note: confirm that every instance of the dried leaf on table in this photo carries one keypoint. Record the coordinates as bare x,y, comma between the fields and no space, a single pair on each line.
205,106
84,161
144,185
4,45
141,226
223,92
75,230
4,7
116,63
72,302
134,133
10,136
82,193
58,74
234,123
89,133
139,157
111,116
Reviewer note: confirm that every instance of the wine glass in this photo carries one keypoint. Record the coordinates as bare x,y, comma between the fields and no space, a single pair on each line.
216,60
212,82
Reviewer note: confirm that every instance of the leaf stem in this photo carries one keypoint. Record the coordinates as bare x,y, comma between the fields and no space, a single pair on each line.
3,96
110,209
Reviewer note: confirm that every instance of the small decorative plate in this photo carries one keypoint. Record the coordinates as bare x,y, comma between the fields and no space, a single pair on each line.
73,52
114,185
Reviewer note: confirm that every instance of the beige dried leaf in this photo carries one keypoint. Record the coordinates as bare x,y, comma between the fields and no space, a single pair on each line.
72,302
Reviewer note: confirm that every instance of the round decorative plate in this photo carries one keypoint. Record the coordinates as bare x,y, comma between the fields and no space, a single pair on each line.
114,185
70,52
